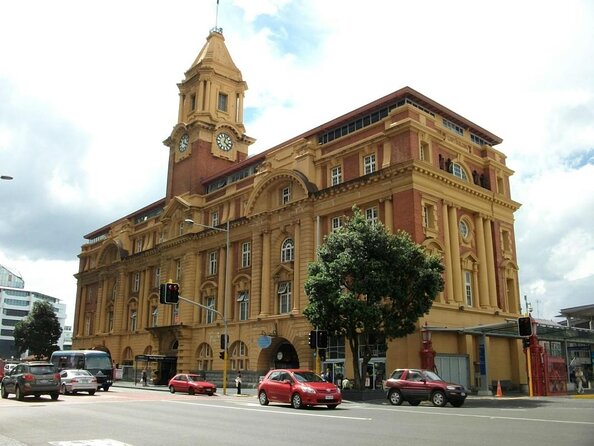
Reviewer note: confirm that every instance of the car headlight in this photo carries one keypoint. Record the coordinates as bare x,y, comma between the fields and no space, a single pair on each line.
452,387
308,389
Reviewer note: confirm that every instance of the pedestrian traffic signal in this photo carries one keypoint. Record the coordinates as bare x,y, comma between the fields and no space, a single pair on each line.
169,293
525,326
222,354
223,343
322,339
312,339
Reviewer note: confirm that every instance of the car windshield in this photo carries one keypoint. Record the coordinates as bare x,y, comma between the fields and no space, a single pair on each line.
431,376
304,377
194,378
80,373
42,369
98,362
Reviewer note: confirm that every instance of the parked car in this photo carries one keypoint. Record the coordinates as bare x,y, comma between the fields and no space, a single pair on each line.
190,383
300,388
416,385
77,380
32,378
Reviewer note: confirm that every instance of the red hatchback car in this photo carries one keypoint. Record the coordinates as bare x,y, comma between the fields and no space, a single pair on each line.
300,388
416,385
189,383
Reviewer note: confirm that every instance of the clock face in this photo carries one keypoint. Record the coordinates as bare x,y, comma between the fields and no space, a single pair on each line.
279,355
224,142
183,142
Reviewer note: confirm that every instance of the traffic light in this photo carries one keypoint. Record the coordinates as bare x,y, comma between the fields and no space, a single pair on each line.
526,342
169,293
222,354
322,339
223,343
312,339
525,326
322,352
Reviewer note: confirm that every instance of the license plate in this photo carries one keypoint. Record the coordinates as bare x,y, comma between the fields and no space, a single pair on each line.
44,381
329,397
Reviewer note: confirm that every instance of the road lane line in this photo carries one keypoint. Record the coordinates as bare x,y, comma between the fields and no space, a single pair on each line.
295,413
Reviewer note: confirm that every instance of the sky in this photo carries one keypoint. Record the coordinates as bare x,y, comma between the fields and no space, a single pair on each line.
88,92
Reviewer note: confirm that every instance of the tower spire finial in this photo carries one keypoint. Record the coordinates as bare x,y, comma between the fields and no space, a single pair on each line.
216,28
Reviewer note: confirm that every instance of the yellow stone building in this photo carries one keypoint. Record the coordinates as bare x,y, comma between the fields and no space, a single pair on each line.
403,159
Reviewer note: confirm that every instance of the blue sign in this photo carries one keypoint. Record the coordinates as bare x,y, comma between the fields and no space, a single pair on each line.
264,341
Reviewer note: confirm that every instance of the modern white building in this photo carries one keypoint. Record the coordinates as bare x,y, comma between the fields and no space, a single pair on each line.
15,305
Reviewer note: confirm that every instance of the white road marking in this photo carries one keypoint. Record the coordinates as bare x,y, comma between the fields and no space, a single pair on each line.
97,442
292,413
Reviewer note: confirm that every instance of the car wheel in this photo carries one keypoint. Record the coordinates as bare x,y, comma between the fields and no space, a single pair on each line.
91,392
296,401
263,398
414,403
4,392
458,403
191,391
55,395
105,388
19,393
63,389
74,392
438,398
172,389
332,406
395,397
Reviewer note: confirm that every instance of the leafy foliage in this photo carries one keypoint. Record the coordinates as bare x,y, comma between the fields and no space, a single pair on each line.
39,331
370,286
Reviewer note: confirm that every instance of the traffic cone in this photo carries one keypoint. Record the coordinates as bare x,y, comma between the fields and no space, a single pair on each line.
499,392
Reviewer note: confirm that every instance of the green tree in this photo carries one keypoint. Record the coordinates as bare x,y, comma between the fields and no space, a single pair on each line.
39,331
370,286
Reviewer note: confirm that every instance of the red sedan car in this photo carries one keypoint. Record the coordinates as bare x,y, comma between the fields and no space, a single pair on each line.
416,385
192,384
300,388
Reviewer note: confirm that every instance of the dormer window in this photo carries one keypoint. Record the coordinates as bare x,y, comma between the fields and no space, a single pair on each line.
285,195
458,171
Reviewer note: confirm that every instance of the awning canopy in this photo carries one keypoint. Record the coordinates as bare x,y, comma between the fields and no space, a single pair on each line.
545,331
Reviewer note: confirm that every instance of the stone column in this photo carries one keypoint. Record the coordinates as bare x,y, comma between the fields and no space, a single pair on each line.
197,284
455,254
490,264
296,268
389,217
447,255
221,282
265,286
483,280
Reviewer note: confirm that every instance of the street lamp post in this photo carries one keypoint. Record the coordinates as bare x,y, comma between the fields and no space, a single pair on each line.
227,292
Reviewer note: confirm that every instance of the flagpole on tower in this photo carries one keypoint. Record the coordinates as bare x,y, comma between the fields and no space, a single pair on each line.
216,27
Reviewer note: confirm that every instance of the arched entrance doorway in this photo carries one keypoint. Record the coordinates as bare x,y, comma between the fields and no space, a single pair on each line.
286,356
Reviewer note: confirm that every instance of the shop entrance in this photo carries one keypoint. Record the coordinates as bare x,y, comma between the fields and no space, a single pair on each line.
375,374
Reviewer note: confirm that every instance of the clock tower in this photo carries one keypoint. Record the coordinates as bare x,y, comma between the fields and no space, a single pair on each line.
209,136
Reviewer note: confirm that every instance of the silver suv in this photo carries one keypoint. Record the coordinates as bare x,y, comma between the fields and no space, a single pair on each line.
32,378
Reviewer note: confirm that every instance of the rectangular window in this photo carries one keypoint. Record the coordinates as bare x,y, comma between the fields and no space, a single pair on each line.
453,127
285,195
369,164
212,263
154,316
157,276
336,223
246,254
136,285
371,215
193,102
210,315
243,301
222,105
336,175
139,243
423,151
468,287
428,216
284,294
133,315
178,270
87,324
110,322
214,218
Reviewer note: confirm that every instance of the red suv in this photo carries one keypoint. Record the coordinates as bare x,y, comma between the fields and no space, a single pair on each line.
300,388
416,385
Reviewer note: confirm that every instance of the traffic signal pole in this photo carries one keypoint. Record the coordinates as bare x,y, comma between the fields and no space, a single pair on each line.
226,343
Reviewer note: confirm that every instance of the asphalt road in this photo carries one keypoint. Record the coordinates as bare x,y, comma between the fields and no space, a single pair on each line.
139,417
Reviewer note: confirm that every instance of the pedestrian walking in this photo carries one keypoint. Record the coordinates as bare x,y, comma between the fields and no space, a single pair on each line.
144,377
238,382
579,379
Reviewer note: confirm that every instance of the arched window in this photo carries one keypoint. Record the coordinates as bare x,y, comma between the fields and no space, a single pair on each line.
458,171
204,357
239,353
287,250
